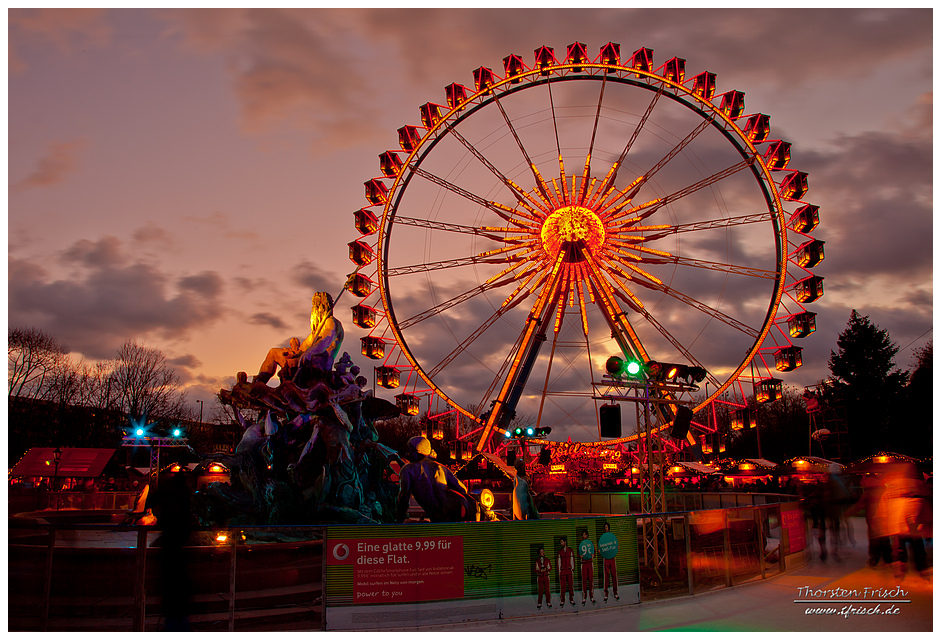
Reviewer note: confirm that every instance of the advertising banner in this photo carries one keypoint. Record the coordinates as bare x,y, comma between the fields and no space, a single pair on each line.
392,576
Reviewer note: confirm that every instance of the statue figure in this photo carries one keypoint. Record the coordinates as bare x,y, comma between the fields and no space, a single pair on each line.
313,451
286,359
326,334
443,497
524,507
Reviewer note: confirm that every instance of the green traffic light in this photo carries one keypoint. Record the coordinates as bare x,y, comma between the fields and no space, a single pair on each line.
633,368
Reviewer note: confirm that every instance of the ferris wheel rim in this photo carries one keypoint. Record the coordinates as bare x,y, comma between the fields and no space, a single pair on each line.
713,115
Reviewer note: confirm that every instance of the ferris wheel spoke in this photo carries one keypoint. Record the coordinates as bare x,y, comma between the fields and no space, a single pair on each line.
583,192
486,324
675,342
501,210
453,302
648,208
725,267
541,185
662,231
696,304
448,264
517,191
607,185
635,186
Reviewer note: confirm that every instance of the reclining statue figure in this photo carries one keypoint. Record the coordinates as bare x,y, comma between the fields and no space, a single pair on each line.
443,497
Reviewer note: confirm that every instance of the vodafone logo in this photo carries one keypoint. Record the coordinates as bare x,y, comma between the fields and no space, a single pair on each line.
341,551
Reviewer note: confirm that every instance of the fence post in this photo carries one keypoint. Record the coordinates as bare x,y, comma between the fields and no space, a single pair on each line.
689,553
761,540
47,582
727,544
140,587
232,584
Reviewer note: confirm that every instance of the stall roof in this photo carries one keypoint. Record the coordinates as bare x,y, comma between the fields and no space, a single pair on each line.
697,467
761,462
75,463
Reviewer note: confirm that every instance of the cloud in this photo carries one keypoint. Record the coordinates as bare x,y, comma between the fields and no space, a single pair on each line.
109,298
188,361
267,319
313,278
288,69
53,168
66,29
221,224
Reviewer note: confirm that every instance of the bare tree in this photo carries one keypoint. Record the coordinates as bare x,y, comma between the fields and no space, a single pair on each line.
145,385
33,356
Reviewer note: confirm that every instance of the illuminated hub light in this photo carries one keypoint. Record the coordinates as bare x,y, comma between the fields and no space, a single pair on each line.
572,223
802,325
139,432
177,433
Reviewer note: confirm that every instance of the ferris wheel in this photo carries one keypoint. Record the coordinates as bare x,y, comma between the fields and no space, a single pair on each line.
544,220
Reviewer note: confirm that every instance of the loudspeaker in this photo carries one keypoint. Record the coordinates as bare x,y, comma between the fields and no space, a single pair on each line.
609,416
684,416
510,457
545,456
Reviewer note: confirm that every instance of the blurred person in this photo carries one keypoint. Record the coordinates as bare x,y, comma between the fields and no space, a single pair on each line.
873,509
904,497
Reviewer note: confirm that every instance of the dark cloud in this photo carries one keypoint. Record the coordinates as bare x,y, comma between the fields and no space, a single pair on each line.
96,254
313,278
66,29
268,319
188,361
110,299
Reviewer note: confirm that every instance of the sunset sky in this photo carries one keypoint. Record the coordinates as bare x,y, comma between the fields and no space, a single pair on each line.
187,178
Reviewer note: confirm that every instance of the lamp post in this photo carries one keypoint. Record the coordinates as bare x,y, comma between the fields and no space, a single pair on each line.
56,457
200,411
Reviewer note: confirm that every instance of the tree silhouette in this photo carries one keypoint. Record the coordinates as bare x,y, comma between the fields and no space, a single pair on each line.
871,384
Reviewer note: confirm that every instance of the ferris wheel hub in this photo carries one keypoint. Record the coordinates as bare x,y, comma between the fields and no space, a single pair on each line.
571,224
